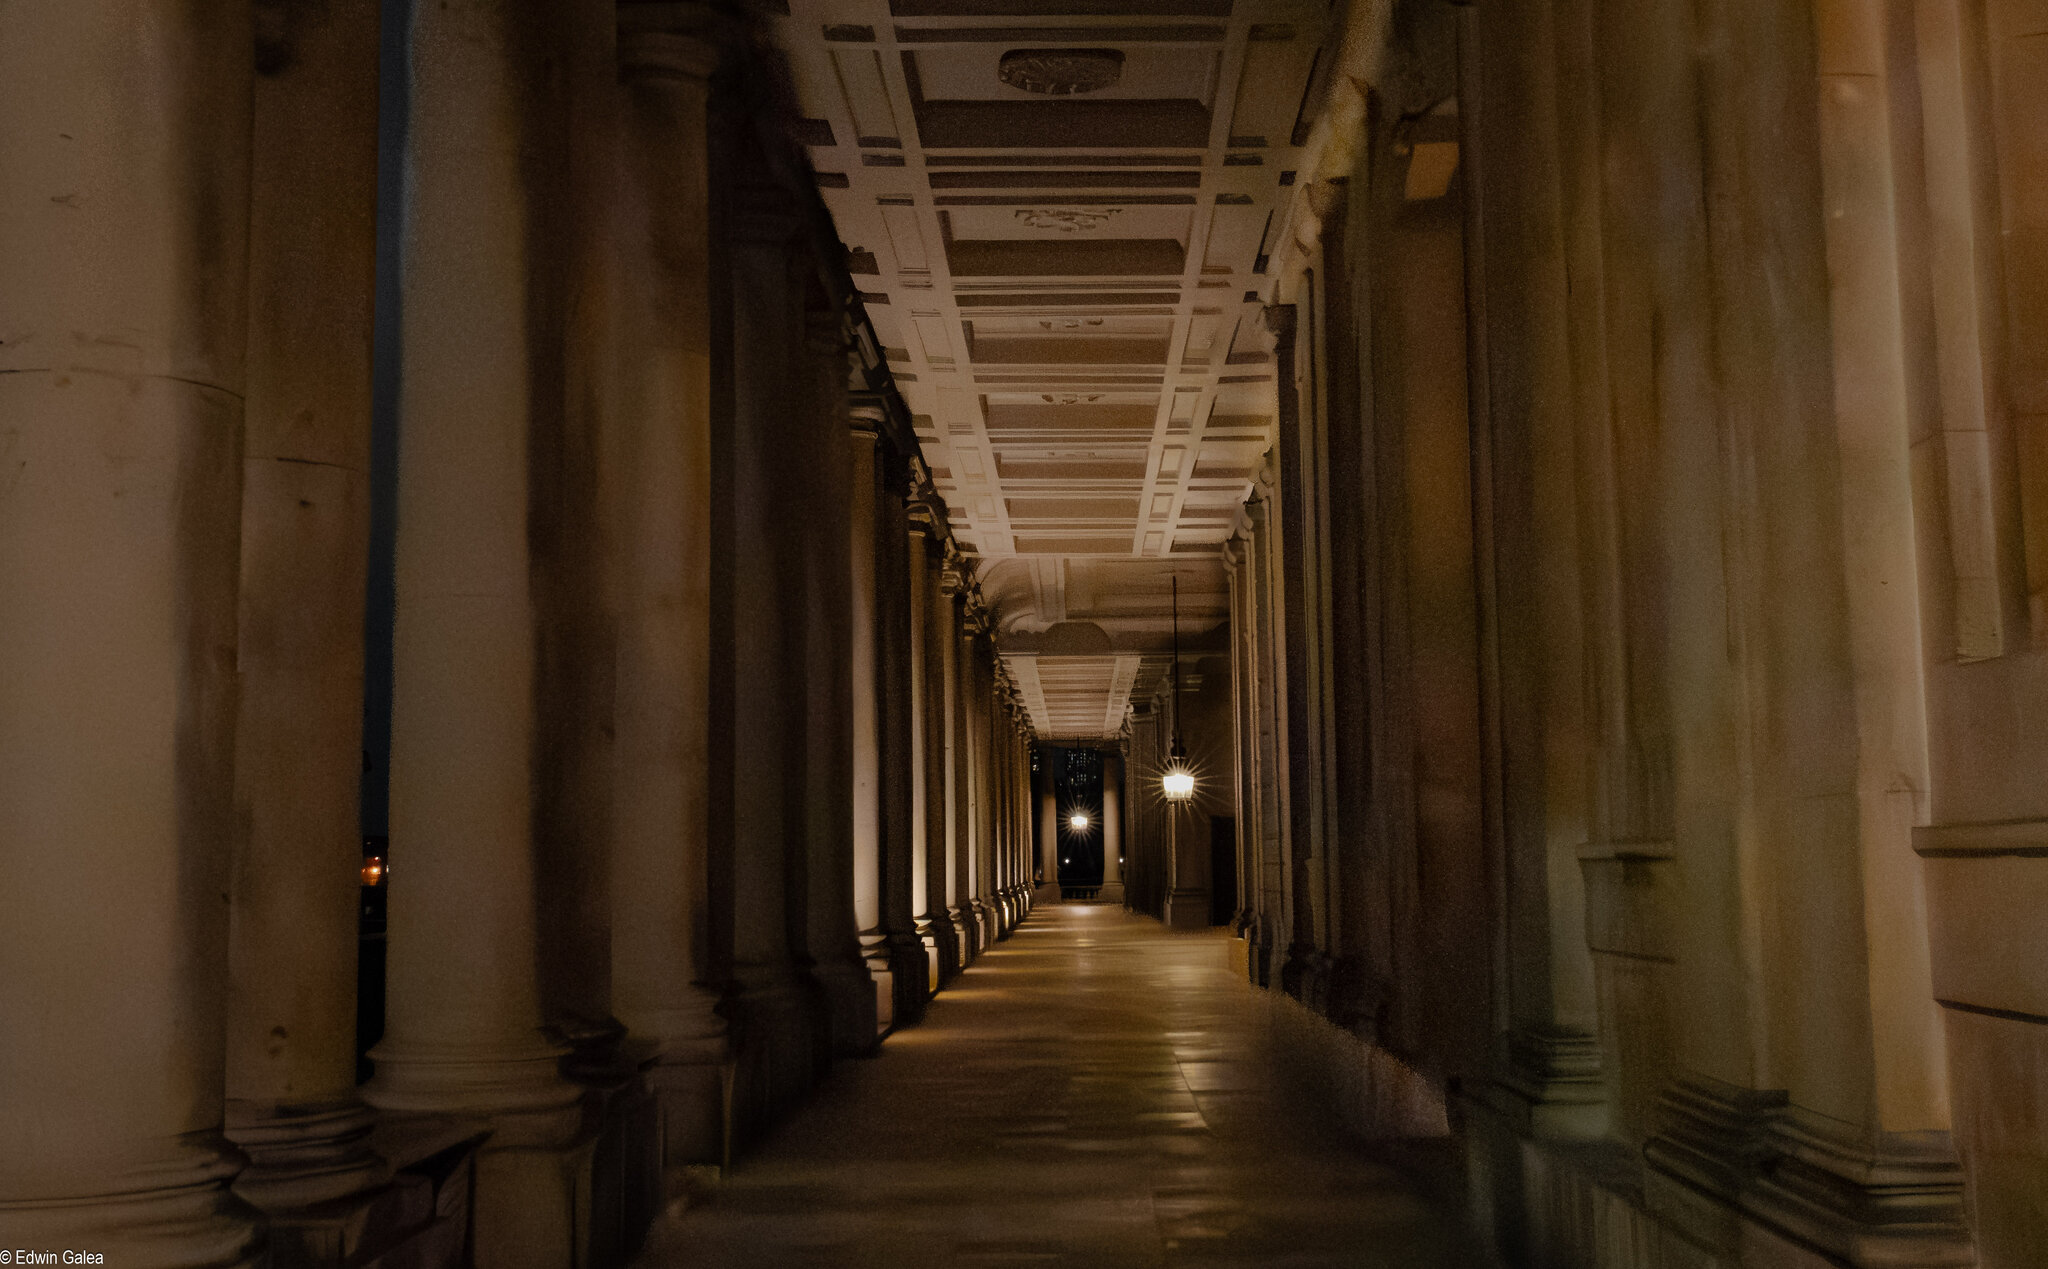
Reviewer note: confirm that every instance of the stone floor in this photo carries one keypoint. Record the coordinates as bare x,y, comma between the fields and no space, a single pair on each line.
1096,1091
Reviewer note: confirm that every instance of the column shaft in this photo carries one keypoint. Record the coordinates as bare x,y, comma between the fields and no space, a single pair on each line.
1112,826
959,831
767,711
463,1025
939,864
124,132
661,806
899,757
863,675
291,1071
834,944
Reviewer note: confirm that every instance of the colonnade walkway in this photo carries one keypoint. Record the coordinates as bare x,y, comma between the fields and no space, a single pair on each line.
1096,1091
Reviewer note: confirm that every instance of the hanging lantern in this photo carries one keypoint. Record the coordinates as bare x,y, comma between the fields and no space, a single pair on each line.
1078,822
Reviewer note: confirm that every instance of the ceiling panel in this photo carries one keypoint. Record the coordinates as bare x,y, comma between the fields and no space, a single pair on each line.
1068,206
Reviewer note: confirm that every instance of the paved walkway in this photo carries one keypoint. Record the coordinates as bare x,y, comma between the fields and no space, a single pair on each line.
1094,1092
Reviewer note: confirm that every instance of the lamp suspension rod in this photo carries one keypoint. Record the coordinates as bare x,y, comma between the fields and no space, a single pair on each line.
1175,579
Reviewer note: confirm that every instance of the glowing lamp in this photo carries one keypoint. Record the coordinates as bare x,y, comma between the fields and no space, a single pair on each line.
1179,784
1077,821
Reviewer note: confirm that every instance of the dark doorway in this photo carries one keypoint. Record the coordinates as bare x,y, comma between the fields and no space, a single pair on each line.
1077,800
1222,869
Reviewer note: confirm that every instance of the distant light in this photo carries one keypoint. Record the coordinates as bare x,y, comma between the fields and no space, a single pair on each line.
1077,821
373,871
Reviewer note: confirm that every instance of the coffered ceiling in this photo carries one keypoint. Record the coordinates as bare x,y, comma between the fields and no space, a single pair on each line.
1060,214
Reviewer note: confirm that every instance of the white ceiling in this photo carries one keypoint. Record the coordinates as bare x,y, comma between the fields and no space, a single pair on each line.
1069,285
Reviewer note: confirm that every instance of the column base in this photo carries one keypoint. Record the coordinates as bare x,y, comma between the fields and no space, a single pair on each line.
419,1217
1555,1088
965,934
874,956
911,968
1709,1144
1875,1206
1187,910
850,996
772,1049
1735,1177
303,1156
1112,892
532,1204
1305,975
516,1078
946,943
930,933
189,1217
685,1059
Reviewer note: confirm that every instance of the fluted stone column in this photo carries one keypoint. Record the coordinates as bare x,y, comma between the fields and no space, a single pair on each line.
939,861
661,803
291,1056
776,1049
959,829
863,677
462,1033
124,135
894,623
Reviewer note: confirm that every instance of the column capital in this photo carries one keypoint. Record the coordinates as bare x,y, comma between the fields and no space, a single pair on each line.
684,39
1280,321
764,213
865,421
825,331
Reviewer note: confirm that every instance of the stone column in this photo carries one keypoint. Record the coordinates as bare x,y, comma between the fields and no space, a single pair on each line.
863,676
894,624
767,711
661,805
999,802
1017,778
1048,811
1303,975
982,708
462,1033
928,806
833,944
291,1058
1112,826
939,862
124,129
959,830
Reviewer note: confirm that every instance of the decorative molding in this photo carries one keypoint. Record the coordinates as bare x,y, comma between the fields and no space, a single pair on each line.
1061,72
1067,220
1898,1202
